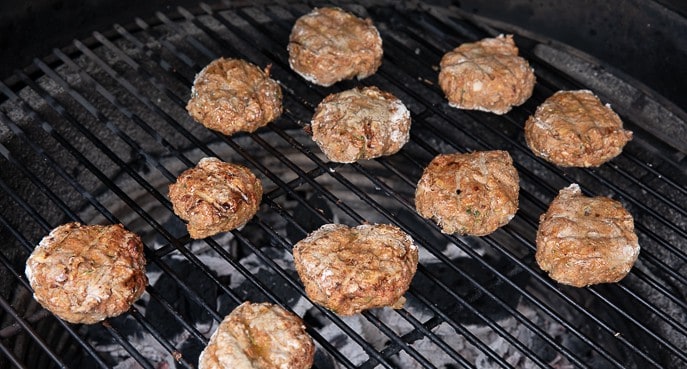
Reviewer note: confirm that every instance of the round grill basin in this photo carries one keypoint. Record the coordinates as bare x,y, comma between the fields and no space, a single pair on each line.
97,130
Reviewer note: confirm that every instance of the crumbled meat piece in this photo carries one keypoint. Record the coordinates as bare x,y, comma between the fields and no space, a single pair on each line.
233,95
586,240
259,336
329,45
351,269
215,197
87,273
573,129
486,75
473,193
362,123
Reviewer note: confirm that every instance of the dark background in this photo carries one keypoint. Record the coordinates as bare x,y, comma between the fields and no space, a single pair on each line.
643,39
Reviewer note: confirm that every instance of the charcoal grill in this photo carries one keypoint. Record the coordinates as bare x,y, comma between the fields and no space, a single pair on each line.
96,131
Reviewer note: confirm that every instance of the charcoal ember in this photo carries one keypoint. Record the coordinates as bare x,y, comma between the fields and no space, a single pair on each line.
197,281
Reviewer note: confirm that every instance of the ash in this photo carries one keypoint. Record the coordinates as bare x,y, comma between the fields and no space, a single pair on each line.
327,328
266,262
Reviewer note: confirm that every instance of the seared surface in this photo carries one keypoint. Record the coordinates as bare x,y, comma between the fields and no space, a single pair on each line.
473,193
233,95
486,75
360,124
87,273
573,129
348,270
259,336
586,240
328,45
215,197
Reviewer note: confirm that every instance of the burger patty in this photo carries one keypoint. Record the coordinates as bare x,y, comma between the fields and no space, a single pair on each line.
259,336
486,75
87,273
586,240
473,193
351,269
573,129
361,123
233,95
215,197
329,45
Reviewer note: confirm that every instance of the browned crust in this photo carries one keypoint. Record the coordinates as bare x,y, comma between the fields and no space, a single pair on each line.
574,129
586,240
259,336
473,193
351,269
486,75
87,273
361,123
328,45
215,197
233,95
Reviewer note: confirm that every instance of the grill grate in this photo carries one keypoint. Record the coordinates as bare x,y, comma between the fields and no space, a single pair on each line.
97,130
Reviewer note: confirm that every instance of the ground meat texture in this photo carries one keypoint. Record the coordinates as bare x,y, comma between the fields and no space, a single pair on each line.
486,75
215,197
259,336
87,273
330,45
573,129
351,269
586,240
233,95
473,193
362,123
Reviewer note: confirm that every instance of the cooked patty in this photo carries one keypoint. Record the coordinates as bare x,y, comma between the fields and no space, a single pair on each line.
351,269
486,75
329,45
586,240
87,273
233,95
259,336
473,193
574,129
215,197
361,123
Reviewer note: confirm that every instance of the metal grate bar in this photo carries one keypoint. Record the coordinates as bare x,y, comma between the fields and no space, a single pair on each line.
10,355
675,351
24,283
428,305
74,217
163,342
197,142
544,82
160,338
28,207
140,359
26,327
662,199
265,291
354,188
560,173
129,141
344,327
112,186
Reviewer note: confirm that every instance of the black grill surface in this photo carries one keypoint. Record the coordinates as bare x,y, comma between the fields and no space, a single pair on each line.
96,131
